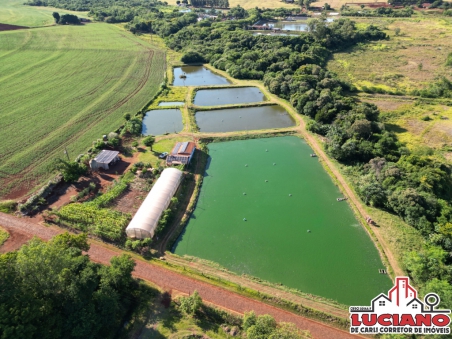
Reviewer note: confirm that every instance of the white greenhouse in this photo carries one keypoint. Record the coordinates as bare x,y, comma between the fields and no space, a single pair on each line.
145,221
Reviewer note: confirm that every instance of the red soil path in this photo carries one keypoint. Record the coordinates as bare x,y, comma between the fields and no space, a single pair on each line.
168,280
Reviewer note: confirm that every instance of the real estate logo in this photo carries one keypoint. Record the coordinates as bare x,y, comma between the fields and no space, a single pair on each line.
400,312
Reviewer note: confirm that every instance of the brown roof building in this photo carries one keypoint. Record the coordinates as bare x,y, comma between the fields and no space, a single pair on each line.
181,153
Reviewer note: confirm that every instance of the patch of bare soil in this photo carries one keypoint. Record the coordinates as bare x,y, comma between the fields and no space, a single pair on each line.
130,201
6,27
15,241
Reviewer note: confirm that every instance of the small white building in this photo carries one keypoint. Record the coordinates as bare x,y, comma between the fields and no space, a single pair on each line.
104,159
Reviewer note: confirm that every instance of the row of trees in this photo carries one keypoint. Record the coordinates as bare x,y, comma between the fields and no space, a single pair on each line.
382,11
210,3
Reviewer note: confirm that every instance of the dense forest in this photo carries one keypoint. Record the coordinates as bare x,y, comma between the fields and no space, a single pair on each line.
52,290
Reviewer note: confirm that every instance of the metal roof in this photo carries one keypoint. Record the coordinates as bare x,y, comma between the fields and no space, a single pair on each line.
183,148
105,157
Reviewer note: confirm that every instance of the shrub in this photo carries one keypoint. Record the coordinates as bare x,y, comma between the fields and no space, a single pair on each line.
192,57
71,170
132,127
189,305
8,206
69,19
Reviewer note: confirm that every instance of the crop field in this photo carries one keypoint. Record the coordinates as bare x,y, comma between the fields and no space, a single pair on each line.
66,86
405,62
14,12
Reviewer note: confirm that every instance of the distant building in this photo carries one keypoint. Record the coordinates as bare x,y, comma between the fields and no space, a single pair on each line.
181,153
104,159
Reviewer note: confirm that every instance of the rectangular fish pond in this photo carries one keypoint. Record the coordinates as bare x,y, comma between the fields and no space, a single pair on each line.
171,103
269,210
243,119
197,76
299,26
161,121
227,96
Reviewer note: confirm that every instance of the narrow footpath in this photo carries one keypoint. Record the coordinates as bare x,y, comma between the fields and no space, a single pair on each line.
169,280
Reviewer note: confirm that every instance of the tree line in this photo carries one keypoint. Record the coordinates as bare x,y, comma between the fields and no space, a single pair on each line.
379,12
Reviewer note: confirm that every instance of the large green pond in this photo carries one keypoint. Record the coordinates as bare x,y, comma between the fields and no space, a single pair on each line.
267,209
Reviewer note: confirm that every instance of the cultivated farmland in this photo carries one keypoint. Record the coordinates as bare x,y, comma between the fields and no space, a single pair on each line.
14,12
65,86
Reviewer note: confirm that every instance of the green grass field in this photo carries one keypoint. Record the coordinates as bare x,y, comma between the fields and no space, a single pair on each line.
14,12
66,86
405,62
418,124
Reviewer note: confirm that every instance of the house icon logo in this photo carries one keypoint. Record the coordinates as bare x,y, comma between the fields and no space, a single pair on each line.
400,312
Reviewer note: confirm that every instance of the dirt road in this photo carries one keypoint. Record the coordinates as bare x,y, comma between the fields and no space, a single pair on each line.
167,279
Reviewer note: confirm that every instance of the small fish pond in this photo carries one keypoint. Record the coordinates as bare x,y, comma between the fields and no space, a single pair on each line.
197,76
161,121
243,119
268,209
171,103
227,96
299,25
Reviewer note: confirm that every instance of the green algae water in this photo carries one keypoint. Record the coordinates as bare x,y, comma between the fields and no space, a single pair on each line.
268,209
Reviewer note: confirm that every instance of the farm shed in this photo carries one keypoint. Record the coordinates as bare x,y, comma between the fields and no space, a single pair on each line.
181,153
104,159
145,221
